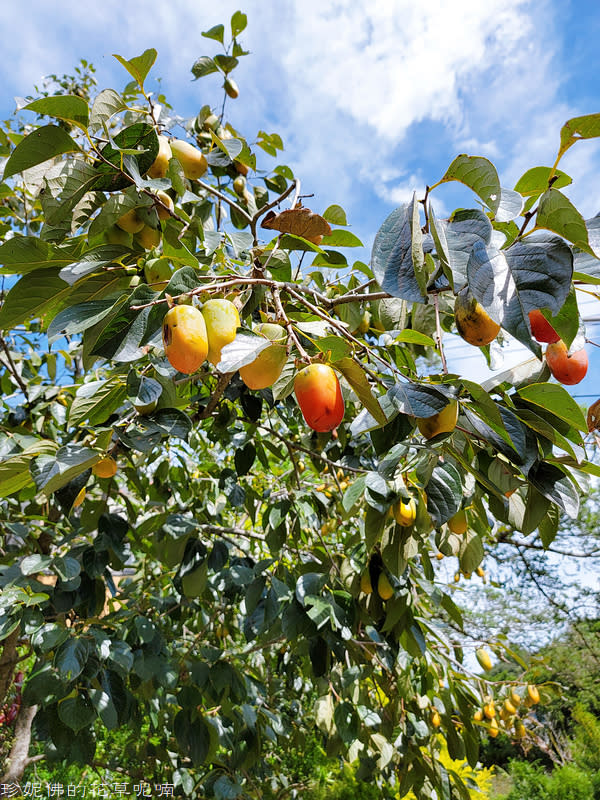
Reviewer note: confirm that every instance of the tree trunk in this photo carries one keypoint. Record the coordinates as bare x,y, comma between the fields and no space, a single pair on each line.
19,754
8,661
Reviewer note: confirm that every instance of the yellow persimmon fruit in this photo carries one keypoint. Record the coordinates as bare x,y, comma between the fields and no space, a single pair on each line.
458,523
515,699
160,165
130,222
385,590
533,694
494,728
157,272
405,511
473,322
167,200
509,707
484,659
105,468
185,338
231,88
436,720
442,422
193,161
148,237
222,321
478,715
268,364
239,185
520,729
489,710
366,586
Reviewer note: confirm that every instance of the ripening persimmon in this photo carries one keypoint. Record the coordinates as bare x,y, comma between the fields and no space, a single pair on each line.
473,322
148,237
167,200
442,422
268,364
405,511
160,165
319,396
105,468
193,161
222,321
385,590
157,272
130,222
567,369
541,329
185,338
458,523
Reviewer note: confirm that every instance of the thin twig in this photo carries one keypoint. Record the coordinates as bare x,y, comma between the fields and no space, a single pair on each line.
288,324
13,368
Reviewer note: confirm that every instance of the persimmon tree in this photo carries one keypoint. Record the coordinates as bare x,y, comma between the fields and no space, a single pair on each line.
243,577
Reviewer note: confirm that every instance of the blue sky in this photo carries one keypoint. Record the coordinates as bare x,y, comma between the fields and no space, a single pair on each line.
373,98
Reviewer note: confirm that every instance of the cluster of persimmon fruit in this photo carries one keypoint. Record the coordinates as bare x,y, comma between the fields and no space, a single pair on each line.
477,328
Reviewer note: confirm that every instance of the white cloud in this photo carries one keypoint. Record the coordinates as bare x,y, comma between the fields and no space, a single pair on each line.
346,84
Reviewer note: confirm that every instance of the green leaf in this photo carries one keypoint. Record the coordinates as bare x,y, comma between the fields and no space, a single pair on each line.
358,380
71,657
548,527
334,345
140,137
335,215
217,32
41,145
193,736
353,493
23,254
52,472
555,398
107,104
454,239
14,471
241,351
340,238
64,191
533,273
239,21
479,174
139,66
32,297
444,493
76,711
535,181
204,66
471,552
69,107
96,401
552,482
414,337
34,563
78,318
586,127
418,401
397,257
225,62
556,213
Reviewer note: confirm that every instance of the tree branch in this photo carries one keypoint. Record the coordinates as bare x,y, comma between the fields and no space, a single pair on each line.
19,758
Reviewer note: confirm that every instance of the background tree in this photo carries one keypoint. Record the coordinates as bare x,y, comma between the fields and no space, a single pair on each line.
201,561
